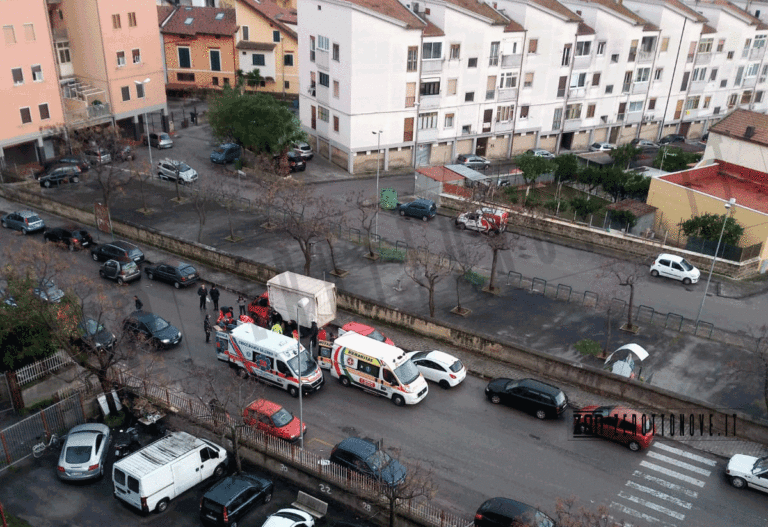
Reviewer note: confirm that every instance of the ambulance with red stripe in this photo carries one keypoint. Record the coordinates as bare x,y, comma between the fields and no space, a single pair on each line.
377,368
269,357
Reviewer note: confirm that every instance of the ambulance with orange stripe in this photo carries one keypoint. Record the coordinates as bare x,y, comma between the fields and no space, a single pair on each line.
270,357
377,368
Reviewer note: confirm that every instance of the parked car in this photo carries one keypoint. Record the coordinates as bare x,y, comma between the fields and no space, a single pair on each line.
154,329
7,298
486,220
117,250
25,221
473,161
76,160
161,140
72,238
60,174
93,335
84,453
626,361
420,208
97,156
290,518
364,457
120,272
616,423
440,367
601,147
273,419
704,138
677,267
540,152
538,398
125,153
643,144
748,471
228,501
366,331
177,273
504,512
226,153
170,169
47,291
294,160
672,138
304,150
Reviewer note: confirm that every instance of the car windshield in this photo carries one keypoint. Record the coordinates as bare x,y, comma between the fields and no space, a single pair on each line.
375,335
378,460
686,265
133,253
559,398
307,363
220,150
419,355
186,270
157,324
761,465
183,167
92,327
282,417
164,137
456,366
78,454
130,267
407,372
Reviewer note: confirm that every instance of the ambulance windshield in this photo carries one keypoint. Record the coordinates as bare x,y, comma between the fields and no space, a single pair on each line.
308,364
407,372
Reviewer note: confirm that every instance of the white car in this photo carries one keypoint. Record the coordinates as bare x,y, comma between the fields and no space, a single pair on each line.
169,168
540,152
601,147
290,518
436,366
677,267
748,471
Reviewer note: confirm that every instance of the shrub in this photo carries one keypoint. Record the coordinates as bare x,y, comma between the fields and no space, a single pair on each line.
552,205
623,217
583,206
588,347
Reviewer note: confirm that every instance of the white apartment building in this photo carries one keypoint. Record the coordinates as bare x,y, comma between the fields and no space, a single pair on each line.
433,79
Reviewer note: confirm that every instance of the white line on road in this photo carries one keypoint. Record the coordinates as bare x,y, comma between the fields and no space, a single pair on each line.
659,495
683,453
637,514
653,506
681,464
672,474
667,484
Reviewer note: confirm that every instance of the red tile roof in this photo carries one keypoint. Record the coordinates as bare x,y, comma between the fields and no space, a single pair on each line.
162,12
513,27
281,16
698,17
440,173
432,30
584,29
638,208
482,9
707,30
392,9
557,7
735,126
733,8
202,22
621,9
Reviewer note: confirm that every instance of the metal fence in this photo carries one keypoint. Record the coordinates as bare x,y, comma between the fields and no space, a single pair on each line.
726,251
41,368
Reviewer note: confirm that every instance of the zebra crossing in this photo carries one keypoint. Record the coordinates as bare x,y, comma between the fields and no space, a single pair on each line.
663,488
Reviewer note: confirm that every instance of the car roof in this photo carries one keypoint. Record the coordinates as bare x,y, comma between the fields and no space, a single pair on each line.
264,407
541,386
123,245
357,446
424,201
441,357
506,506
357,327
229,487
144,316
25,213
672,257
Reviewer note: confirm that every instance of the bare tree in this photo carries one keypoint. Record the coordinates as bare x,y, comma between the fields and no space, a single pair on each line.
628,274
466,257
568,513
308,220
502,242
419,482
227,198
366,209
427,269
141,174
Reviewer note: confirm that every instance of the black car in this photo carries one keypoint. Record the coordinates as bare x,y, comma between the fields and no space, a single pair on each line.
672,138
364,457
177,273
532,396
230,499
503,512
72,238
60,174
152,328
119,250
78,161
93,335
295,162
420,208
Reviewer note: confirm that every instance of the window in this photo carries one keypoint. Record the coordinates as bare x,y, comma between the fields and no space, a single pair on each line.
29,33
429,88
724,83
126,93
132,19
449,120
716,111
139,90
432,50
452,86
322,114
732,100
44,113
226,82
699,74
524,112
705,45
336,52
26,115
63,48
215,58
664,43
642,74
466,129
469,96
116,21
573,111
720,45
257,59
288,59
652,103
746,97
590,111
615,58
324,79
508,80
472,63
312,49
730,55
632,51
323,43
120,58
583,48
493,59
336,89
505,114
185,59
739,75
635,106
287,85
759,41
276,38
658,74
246,33
707,101
9,34
753,69
713,74
601,48
609,88
758,96
427,121
455,52
528,81
595,79
18,76
37,73
566,58
578,80
136,53
413,57
185,77
533,46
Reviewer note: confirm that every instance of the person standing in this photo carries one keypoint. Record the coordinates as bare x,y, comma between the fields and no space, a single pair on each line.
215,297
314,331
139,303
203,293
277,328
207,327
241,303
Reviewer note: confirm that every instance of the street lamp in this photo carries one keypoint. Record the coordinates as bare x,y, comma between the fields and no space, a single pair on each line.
378,153
302,304
728,206
146,124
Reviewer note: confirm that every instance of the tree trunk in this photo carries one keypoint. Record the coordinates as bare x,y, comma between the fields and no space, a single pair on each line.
143,196
431,299
491,287
458,295
306,249
231,227
629,308
370,244
608,330
392,512
333,255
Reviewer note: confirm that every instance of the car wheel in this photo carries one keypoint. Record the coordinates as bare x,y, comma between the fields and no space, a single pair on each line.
242,373
294,391
686,281
219,471
101,274
177,285
268,498
162,506
75,179
101,471
634,446
495,399
541,414
344,380
425,218
150,276
233,524
654,273
444,384
47,183
402,213
24,232
398,400
120,280
461,226
95,257
739,483
5,225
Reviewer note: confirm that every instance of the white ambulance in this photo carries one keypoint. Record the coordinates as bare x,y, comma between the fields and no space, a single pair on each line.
270,357
377,368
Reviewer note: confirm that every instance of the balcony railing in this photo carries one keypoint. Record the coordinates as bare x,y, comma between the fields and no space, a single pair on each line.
429,102
431,66
571,124
749,82
507,94
582,62
704,58
60,34
511,61
640,87
634,117
321,59
645,56
756,53
698,86
577,93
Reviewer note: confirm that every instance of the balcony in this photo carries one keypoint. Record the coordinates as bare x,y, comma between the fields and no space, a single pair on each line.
507,94
640,87
634,117
429,102
582,62
431,66
645,56
321,59
511,61
693,114
323,94
571,124
60,34
429,135
79,114
312,90
698,86
577,93
704,58
756,53
749,82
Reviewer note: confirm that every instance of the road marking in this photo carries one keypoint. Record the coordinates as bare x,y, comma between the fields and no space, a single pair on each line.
320,441
667,484
681,464
685,454
637,514
653,506
672,474
659,495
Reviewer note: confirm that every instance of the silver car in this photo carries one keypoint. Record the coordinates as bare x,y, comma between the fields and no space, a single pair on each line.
25,221
84,452
601,147
170,168
48,292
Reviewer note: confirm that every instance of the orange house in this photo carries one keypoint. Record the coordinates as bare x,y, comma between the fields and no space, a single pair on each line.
199,46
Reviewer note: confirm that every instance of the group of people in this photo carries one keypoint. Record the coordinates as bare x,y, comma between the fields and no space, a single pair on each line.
213,295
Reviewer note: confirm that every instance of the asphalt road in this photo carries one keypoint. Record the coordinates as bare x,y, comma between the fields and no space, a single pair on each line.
476,450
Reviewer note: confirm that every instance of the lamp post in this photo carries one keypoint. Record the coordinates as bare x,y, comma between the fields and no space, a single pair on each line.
378,162
416,138
302,304
728,206
146,125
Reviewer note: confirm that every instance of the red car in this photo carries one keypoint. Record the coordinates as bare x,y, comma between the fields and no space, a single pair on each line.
273,419
366,331
623,425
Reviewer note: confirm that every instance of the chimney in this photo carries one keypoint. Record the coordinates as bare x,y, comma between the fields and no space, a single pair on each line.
749,132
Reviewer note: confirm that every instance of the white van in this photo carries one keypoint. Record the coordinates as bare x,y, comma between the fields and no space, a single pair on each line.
151,477
377,368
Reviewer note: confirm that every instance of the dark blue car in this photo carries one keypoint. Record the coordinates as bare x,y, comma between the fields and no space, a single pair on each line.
420,208
226,153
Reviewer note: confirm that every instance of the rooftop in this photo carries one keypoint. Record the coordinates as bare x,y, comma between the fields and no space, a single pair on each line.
200,20
638,208
440,173
736,123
